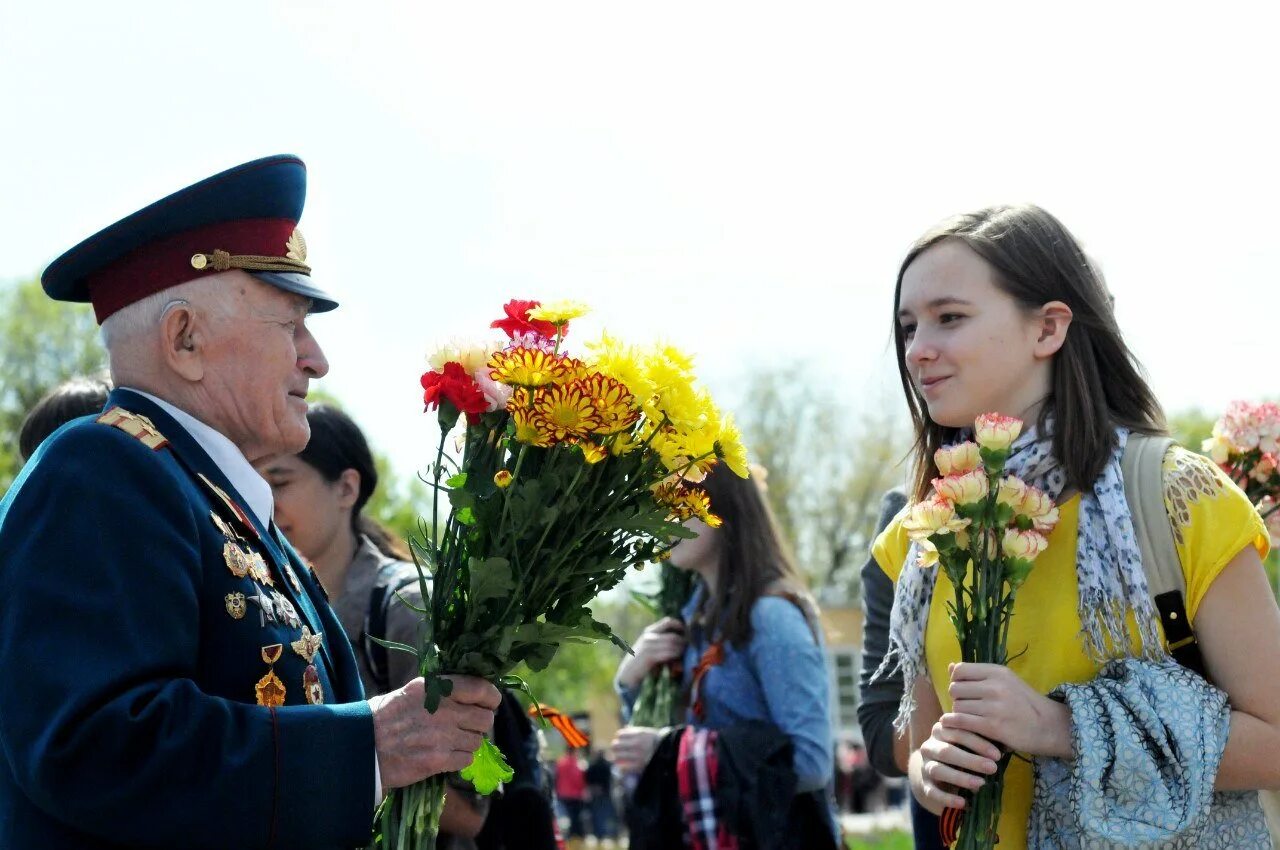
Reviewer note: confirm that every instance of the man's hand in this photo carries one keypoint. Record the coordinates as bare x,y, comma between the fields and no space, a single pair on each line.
659,643
413,744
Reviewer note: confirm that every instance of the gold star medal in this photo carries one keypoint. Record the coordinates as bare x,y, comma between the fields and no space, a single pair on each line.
270,690
236,606
311,685
308,645
237,560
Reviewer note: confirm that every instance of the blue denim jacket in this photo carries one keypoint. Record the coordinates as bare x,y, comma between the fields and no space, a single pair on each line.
780,677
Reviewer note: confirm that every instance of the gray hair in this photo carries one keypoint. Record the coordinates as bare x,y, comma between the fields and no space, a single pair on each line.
127,323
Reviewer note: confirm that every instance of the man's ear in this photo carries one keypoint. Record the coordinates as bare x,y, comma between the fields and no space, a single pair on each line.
1053,321
183,336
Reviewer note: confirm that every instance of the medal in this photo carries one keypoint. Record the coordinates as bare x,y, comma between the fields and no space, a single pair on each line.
270,690
236,605
292,576
259,570
311,685
237,560
308,645
266,607
285,612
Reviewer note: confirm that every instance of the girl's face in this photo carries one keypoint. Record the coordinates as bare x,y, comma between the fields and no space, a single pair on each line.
308,509
700,553
970,348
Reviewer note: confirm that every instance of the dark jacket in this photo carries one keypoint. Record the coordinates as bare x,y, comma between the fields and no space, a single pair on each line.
755,794
135,659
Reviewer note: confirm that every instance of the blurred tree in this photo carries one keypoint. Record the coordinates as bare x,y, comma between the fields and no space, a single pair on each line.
42,343
826,467
1191,427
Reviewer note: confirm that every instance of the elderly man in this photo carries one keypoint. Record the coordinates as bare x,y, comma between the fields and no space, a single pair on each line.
173,675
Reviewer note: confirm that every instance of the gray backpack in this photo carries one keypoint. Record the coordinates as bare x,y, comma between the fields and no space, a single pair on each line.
1142,467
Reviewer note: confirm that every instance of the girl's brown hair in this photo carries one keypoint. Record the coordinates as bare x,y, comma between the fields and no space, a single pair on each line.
754,560
1097,383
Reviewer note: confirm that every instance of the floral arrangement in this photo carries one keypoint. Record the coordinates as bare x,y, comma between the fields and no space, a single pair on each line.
985,530
657,700
1246,445
572,470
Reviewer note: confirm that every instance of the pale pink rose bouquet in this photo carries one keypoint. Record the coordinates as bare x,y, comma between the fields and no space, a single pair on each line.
1246,445
985,530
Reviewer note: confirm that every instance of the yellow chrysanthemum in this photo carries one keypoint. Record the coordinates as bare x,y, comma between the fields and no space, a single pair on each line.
614,358
528,428
729,448
559,312
613,402
593,452
526,367
565,411
686,502
574,370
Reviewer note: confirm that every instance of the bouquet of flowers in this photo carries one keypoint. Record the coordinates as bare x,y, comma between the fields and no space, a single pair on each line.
985,530
1246,445
571,471
656,702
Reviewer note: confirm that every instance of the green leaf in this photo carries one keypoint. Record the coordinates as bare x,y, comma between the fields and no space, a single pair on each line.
459,480
398,647
488,768
490,578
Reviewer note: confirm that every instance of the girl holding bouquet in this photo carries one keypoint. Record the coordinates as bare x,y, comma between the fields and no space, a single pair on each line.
1001,311
751,647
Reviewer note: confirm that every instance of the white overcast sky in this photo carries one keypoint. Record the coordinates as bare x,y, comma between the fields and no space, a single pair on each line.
741,177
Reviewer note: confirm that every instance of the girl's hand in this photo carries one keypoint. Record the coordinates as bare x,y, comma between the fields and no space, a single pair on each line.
660,643
992,701
633,746
952,760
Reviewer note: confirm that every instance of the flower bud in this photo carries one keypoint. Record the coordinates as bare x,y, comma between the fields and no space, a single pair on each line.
957,459
966,489
995,432
502,478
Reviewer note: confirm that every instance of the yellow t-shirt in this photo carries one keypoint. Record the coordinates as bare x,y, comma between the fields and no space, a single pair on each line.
1213,522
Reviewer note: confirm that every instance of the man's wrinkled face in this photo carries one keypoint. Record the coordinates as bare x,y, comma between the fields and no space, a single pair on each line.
260,358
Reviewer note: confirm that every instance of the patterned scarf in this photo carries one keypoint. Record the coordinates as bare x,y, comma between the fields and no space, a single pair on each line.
1109,572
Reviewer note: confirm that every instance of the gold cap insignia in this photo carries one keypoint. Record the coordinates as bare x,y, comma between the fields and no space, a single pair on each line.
296,247
308,645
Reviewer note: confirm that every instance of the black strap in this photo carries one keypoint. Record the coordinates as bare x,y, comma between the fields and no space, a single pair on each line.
1178,633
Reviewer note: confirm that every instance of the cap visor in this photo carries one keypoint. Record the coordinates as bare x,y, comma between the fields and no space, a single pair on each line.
299,284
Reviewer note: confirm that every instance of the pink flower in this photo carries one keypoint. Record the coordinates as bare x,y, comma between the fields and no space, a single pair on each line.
932,516
996,432
966,489
1024,545
959,458
496,395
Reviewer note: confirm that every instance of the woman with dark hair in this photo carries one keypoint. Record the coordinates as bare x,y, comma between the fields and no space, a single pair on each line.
69,400
1001,311
320,494
751,646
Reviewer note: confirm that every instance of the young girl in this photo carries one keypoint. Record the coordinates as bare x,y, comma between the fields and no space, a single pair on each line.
750,640
1001,311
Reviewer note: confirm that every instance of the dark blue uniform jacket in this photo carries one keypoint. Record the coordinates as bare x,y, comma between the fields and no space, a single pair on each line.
161,684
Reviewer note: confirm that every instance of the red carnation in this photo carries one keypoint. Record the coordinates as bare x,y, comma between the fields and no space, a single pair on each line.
458,388
518,322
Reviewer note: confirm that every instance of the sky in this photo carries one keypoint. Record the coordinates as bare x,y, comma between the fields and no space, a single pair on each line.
741,179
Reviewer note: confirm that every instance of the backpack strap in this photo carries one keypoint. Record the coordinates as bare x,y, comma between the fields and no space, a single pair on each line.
385,588
1142,467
